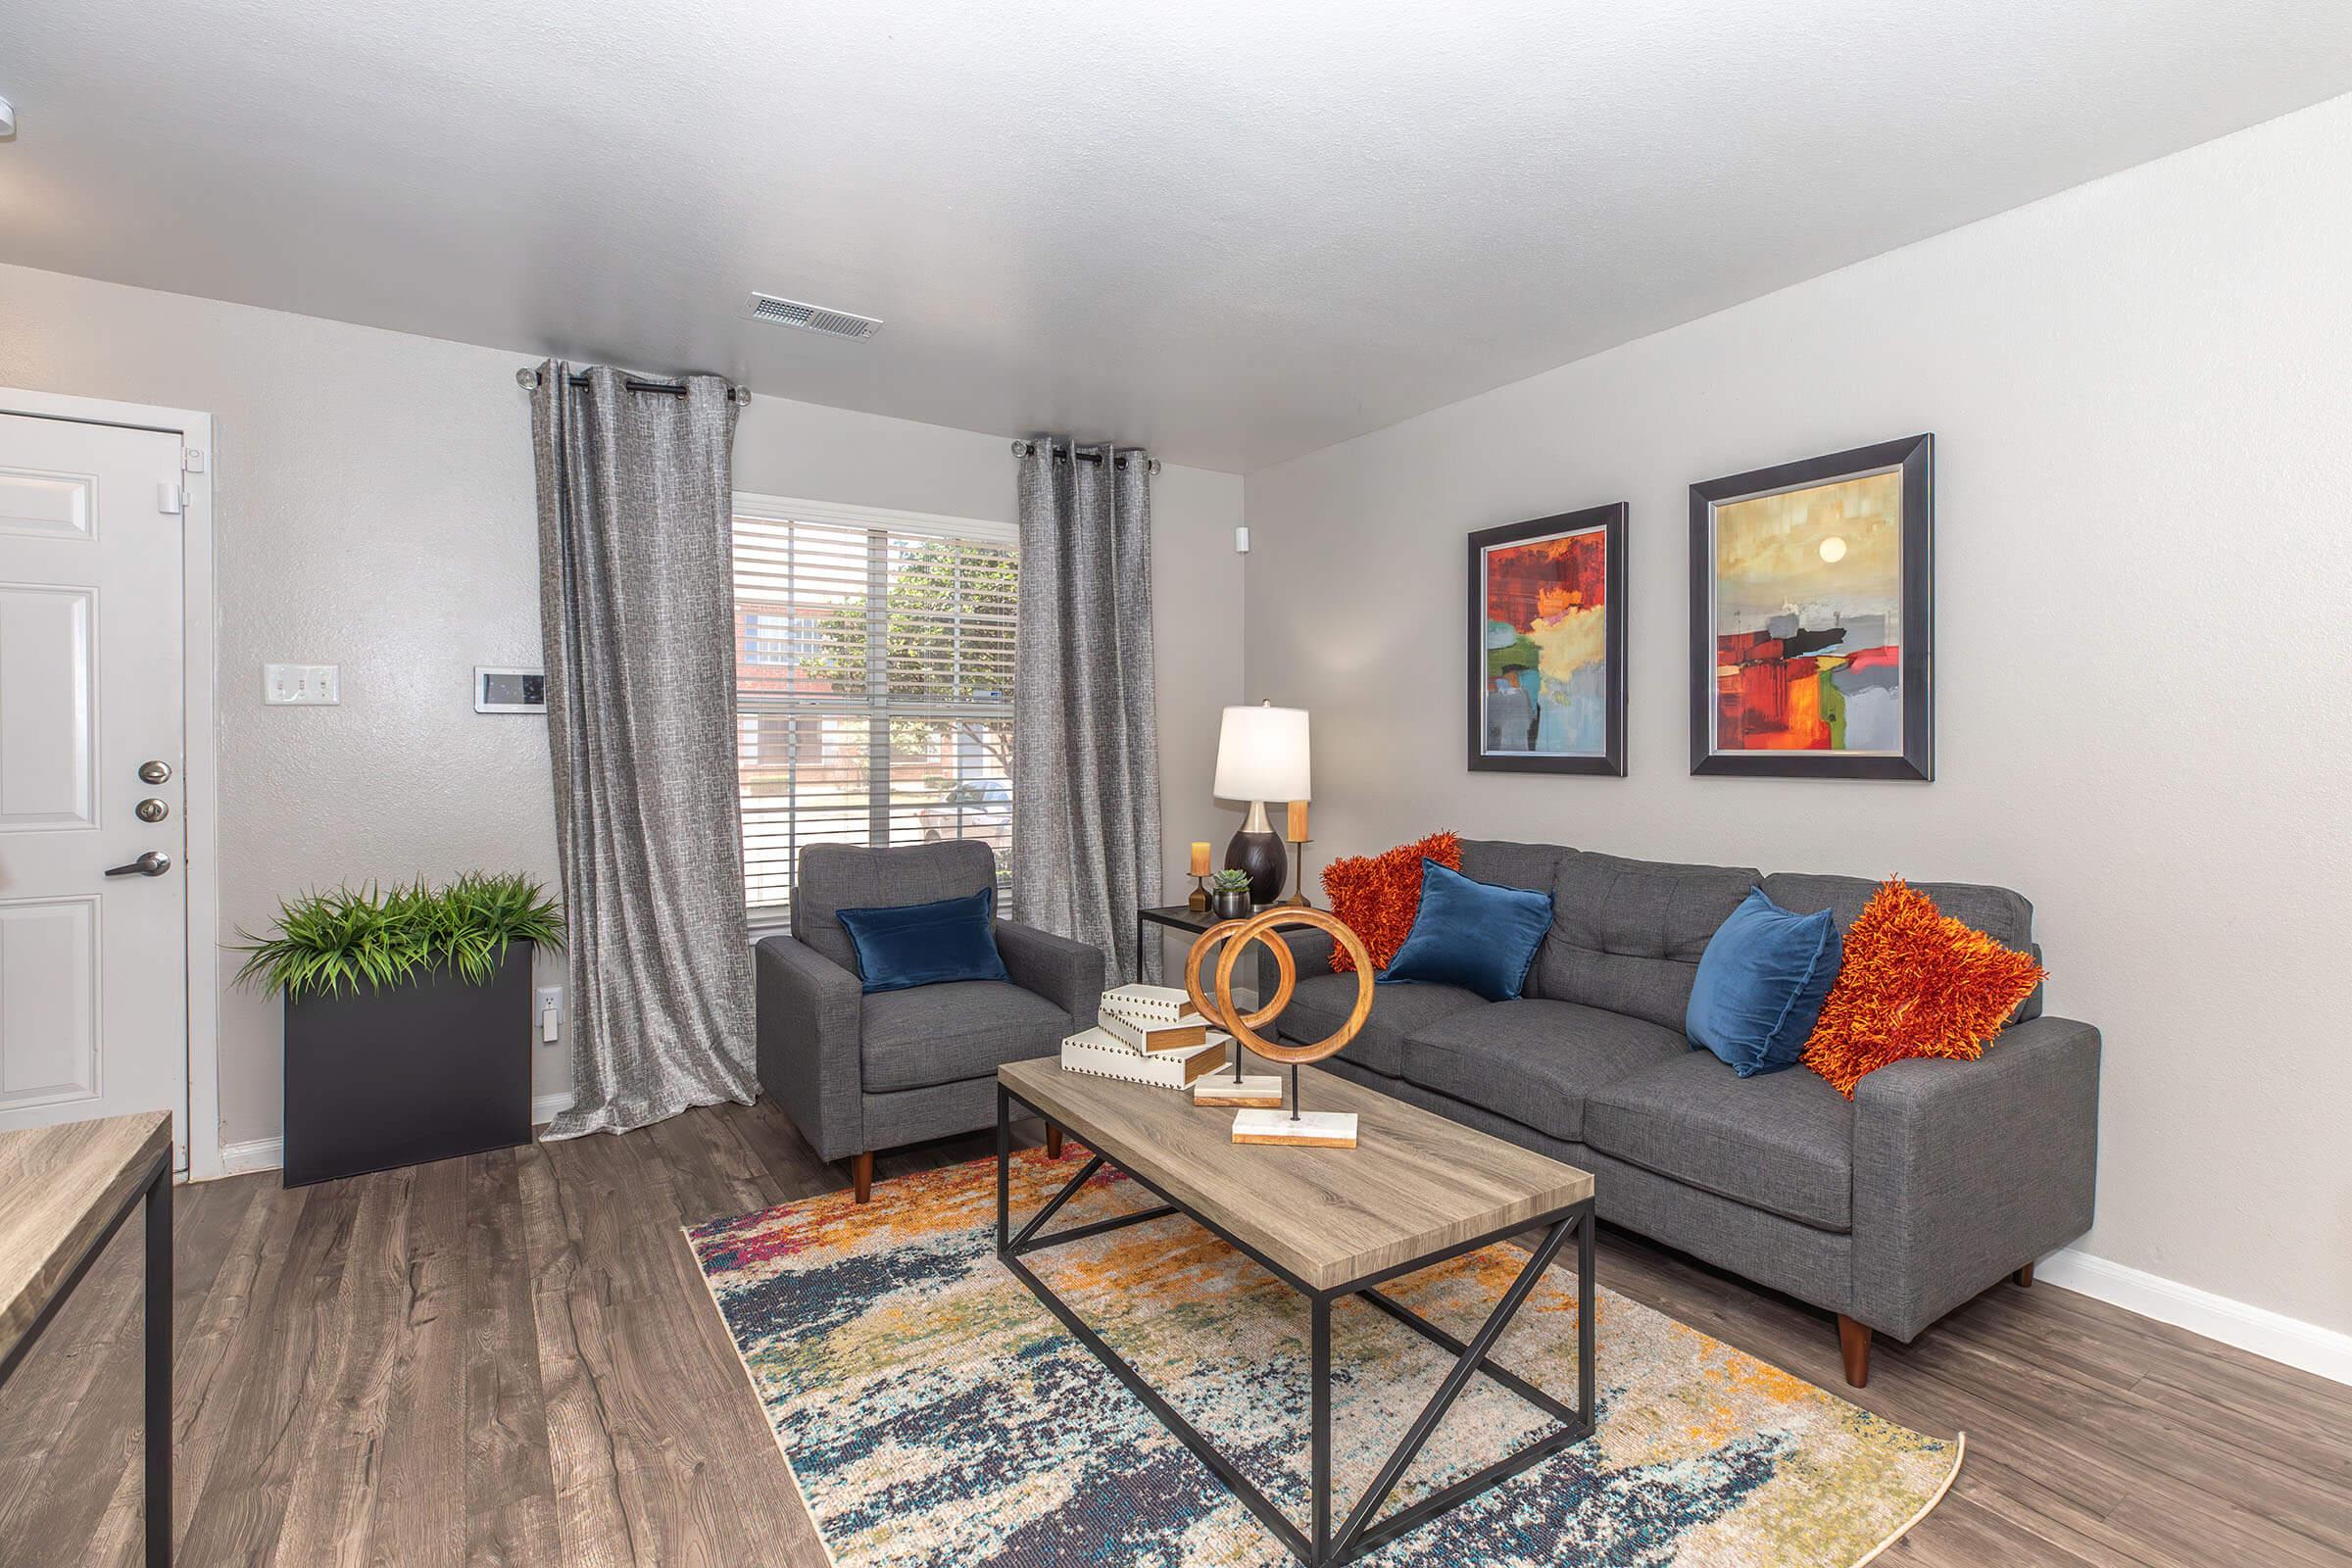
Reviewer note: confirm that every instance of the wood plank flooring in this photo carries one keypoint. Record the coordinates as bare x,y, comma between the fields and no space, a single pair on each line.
511,1360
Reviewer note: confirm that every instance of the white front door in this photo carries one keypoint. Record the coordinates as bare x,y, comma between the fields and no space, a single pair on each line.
93,966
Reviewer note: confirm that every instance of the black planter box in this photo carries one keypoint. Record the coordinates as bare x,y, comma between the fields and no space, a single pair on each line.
427,1071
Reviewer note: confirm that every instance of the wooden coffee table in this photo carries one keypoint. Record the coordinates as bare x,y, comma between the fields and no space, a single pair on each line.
1415,1190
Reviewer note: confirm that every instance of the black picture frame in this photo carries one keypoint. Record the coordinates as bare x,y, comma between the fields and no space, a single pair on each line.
1610,520
1915,457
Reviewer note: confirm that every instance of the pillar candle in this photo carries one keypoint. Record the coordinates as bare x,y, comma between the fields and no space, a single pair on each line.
1297,833
1200,859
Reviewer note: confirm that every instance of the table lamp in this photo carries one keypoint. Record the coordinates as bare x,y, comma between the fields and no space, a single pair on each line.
1262,756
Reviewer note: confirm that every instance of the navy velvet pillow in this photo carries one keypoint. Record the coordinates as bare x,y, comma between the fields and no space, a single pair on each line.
1470,933
1761,984
926,943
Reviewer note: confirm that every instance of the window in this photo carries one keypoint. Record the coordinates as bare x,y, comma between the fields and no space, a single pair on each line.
874,675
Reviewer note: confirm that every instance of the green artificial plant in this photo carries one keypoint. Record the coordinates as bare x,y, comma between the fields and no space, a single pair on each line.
362,940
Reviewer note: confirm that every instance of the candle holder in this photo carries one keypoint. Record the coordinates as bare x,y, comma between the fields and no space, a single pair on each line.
1198,899
1297,899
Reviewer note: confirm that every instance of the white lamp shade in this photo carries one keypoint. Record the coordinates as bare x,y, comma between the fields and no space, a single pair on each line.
1262,755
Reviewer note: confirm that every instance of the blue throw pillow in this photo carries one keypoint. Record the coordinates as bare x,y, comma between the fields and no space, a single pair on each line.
1761,984
1470,933
927,944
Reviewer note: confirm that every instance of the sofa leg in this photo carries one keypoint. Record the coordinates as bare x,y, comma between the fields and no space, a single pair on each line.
1052,1143
861,1176
1853,1344
2023,1278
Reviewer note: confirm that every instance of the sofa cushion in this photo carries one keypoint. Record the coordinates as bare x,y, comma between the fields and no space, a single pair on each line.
1512,865
1535,1060
1322,1001
1481,936
1628,934
939,1034
832,877
926,943
1761,984
1781,1143
2000,913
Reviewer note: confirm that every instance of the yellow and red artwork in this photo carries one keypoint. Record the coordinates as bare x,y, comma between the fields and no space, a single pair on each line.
1809,618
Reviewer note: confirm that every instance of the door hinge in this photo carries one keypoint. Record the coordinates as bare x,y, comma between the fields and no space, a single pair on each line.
191,460
170,499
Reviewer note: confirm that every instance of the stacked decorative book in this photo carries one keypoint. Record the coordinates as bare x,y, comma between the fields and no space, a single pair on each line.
1147,1035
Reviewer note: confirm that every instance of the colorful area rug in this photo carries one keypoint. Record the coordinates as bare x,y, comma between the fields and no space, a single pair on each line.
936,1415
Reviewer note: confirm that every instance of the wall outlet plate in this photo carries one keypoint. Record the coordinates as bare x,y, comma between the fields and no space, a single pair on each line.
302,685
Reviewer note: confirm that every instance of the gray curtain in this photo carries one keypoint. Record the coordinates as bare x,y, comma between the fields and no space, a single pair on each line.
1085,747
637,622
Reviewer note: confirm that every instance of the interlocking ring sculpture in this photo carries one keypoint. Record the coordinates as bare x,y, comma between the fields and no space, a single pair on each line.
1237,936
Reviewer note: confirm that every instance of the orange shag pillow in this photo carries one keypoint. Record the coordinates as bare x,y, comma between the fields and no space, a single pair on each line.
1378,894
1914,982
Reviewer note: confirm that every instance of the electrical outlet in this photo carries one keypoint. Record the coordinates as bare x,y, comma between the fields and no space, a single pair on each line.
302,685
550,1013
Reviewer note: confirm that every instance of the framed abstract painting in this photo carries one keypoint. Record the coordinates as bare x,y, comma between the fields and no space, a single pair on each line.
1812,603
1548,645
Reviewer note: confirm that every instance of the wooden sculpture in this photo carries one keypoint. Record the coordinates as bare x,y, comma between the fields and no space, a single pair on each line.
1261,1120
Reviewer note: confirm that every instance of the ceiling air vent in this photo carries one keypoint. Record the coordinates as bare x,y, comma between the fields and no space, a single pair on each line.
811,318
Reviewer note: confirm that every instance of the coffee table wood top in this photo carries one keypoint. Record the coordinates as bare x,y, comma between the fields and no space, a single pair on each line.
1415,1184
59,1187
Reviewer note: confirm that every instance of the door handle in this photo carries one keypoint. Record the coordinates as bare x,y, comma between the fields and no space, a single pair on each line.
155,862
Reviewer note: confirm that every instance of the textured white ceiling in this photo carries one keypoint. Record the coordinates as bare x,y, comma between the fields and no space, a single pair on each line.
1232,229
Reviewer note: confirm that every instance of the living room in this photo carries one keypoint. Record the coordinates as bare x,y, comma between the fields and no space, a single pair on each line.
628,880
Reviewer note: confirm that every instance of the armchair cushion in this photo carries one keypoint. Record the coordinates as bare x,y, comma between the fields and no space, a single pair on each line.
926,943
940,1033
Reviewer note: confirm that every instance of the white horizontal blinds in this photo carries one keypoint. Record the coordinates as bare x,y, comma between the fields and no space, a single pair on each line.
874,681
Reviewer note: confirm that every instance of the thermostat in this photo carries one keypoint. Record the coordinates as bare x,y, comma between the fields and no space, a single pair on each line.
497,689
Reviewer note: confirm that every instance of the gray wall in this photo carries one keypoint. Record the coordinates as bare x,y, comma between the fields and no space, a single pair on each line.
374,502
2143,420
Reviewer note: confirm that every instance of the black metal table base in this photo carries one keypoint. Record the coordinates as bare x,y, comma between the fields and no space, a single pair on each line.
1361,1530
153,1193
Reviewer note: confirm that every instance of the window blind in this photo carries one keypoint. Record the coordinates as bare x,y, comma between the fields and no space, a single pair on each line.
873,674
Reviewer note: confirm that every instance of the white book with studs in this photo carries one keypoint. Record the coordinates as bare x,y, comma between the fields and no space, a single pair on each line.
1106,1055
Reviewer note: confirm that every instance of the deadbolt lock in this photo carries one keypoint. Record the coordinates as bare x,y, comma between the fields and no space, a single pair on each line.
152,810
155,773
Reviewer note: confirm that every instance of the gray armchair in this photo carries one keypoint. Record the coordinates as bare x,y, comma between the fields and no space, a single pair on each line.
858,1073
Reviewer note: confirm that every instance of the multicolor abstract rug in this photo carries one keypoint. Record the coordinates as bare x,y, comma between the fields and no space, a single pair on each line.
936,1415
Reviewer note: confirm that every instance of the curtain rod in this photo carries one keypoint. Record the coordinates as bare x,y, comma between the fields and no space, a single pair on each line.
1023,449
528,380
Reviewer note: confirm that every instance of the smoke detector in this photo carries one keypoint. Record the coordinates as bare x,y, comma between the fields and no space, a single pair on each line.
808,318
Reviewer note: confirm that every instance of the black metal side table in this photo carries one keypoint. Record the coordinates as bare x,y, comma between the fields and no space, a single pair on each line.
1192,922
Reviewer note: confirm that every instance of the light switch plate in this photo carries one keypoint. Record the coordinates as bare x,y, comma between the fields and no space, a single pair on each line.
301,685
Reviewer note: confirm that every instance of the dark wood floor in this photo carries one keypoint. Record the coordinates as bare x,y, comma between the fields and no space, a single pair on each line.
510,1359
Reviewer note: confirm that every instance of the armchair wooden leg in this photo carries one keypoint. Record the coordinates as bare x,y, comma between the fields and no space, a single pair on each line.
861,1175
2023,1278
1052,1143
1853,1344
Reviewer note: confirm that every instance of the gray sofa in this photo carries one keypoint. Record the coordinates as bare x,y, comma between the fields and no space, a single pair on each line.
1940,1179
858,1073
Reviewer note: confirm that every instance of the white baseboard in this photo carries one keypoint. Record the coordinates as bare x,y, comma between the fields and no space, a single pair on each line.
2255,1329
269,1153
261,1153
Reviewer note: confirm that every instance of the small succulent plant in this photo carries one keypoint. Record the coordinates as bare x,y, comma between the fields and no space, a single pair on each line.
1233,879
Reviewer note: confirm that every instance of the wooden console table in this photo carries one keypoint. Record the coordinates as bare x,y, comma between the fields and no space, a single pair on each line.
64,1192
